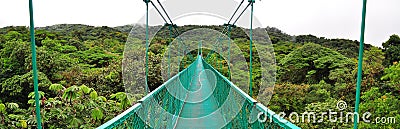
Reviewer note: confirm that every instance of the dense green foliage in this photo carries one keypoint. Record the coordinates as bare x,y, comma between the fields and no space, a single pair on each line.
392,49
312,63
81,82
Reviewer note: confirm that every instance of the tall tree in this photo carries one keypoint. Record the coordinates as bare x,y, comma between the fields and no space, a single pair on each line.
312,63
392,50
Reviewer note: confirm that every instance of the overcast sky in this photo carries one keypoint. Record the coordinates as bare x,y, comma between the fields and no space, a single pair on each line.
323,18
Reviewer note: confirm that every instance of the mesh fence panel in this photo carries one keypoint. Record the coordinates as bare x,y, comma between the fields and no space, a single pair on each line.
173,105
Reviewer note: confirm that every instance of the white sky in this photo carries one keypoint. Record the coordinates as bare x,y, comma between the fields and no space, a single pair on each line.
323,18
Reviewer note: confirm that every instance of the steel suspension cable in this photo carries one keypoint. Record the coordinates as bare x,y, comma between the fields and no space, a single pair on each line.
147,42
158,11
235,11
162,7
34,66
176,33
228,25
251,3
169,18
242,12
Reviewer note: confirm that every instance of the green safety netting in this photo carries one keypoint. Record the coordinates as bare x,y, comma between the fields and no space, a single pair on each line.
197,97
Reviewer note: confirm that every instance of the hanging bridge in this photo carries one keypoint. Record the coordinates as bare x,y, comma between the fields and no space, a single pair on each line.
199,96
163,108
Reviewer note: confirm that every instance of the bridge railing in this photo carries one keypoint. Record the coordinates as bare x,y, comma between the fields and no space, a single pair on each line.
161,108
250,113
158,109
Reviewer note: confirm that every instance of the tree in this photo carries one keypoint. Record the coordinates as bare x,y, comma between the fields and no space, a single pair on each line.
394,40
392,50
282,101
17,88
12,59
312,63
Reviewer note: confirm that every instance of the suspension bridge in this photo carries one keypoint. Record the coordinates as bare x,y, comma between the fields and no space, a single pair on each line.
172,106
224,104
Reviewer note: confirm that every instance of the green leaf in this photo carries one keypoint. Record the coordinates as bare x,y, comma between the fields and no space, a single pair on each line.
2,108
93,95
122,98
12,106
23,123
56,87
31,101
85,89
75,122
71,93
97,114
311,72
32,95
102,98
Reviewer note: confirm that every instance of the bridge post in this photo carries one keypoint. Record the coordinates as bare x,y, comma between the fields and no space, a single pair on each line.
230,27
360,60
34,66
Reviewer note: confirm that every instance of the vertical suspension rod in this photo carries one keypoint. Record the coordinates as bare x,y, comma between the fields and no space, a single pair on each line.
147,44
34,66
251,49
360,60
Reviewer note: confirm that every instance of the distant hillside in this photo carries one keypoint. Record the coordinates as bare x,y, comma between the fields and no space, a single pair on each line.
347,47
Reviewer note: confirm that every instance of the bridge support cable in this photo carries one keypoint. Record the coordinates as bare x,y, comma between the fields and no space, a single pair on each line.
235,11
34,66
240,15
169,52
229,51
169,18
251,49
220,50
251,3
174,27
147,45
158,12
360,61
229,27
223,31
